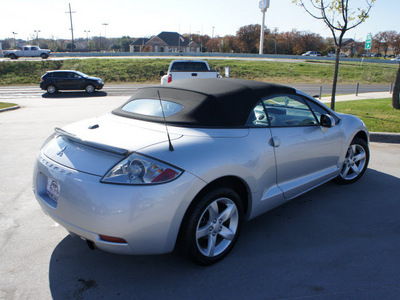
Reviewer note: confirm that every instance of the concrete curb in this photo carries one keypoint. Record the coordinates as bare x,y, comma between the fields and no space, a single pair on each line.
385,137
10,108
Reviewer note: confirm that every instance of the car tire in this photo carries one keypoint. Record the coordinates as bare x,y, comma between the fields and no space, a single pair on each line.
51,89
89,88
211,226
13,56
44,55
355,163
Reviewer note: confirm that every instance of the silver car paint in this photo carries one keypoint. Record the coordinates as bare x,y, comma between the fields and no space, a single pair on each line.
149,217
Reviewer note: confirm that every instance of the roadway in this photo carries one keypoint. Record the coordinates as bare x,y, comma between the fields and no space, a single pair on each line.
20,92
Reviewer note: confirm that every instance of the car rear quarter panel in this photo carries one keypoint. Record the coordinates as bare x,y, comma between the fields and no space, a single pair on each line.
249,158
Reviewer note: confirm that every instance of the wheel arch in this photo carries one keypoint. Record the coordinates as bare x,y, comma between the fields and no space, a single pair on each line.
233,182
362,135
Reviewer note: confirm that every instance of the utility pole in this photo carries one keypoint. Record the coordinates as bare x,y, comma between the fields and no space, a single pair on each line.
264,4
72,28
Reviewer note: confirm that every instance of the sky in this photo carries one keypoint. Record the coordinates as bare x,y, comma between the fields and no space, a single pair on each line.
145,18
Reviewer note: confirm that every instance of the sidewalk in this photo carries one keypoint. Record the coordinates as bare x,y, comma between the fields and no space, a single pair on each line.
361,96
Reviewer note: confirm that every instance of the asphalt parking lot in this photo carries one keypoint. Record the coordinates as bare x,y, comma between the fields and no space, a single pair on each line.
335,242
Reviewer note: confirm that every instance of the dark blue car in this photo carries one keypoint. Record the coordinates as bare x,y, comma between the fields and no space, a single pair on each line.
54,81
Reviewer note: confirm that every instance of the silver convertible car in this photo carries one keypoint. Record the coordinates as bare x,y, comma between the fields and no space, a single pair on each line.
183,165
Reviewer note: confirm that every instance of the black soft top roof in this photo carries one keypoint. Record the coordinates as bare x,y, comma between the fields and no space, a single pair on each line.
208,102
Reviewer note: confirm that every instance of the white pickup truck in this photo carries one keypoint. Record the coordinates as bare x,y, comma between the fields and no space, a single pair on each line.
27,51
183,69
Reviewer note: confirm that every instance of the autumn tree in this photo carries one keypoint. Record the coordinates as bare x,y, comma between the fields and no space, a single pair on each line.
248,38
339,17
378,41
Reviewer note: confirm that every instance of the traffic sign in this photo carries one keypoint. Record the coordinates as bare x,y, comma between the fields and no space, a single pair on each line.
368,42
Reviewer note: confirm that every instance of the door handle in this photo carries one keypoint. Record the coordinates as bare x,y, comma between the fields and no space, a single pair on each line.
276,142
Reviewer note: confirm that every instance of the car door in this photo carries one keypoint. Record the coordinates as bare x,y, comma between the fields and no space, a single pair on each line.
75,81
61,80
306,153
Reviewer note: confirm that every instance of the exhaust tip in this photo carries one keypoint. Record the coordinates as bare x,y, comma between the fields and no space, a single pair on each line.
91,245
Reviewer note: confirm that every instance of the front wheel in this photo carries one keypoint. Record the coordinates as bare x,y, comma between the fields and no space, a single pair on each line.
90,88
44,56
212,225
355,163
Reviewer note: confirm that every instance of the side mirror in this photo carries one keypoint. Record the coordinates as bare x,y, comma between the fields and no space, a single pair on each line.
327,121
162,73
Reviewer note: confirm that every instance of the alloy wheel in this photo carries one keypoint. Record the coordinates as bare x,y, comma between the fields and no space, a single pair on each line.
217,227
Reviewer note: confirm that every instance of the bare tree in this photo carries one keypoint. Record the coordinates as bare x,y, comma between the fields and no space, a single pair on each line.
339,17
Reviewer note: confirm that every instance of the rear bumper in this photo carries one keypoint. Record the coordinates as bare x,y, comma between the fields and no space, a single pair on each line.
148,218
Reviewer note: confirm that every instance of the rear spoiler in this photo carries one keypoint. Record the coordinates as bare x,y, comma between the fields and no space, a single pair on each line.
74,138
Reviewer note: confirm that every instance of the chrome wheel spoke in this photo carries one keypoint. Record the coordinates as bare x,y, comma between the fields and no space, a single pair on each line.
359,156
346,170
213,211
212,240
227,234
227,213
202,232
355,169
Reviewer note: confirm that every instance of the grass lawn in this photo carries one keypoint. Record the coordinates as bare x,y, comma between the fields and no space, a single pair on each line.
377,114
6,105
146,70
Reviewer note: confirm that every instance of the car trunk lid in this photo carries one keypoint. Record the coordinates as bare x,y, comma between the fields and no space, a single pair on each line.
94,146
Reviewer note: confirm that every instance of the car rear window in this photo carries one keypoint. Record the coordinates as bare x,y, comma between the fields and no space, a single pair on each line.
189,66
152,107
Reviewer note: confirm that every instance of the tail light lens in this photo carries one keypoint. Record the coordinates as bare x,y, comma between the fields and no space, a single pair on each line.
137,169
169,78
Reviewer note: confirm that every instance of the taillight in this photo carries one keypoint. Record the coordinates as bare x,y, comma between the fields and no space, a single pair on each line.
169,78
112,239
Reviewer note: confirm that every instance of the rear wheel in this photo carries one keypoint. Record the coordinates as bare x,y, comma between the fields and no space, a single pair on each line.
355,162
13,56
51,89
90,88
212,225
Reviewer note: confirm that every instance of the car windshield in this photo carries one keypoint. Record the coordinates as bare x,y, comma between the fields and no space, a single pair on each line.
152,107
81,74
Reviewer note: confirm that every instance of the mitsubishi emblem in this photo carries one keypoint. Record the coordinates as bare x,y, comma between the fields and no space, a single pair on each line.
61,152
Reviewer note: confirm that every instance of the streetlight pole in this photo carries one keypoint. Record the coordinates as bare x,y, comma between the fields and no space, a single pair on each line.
87,37
263,5
15,42
105,35
37,36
